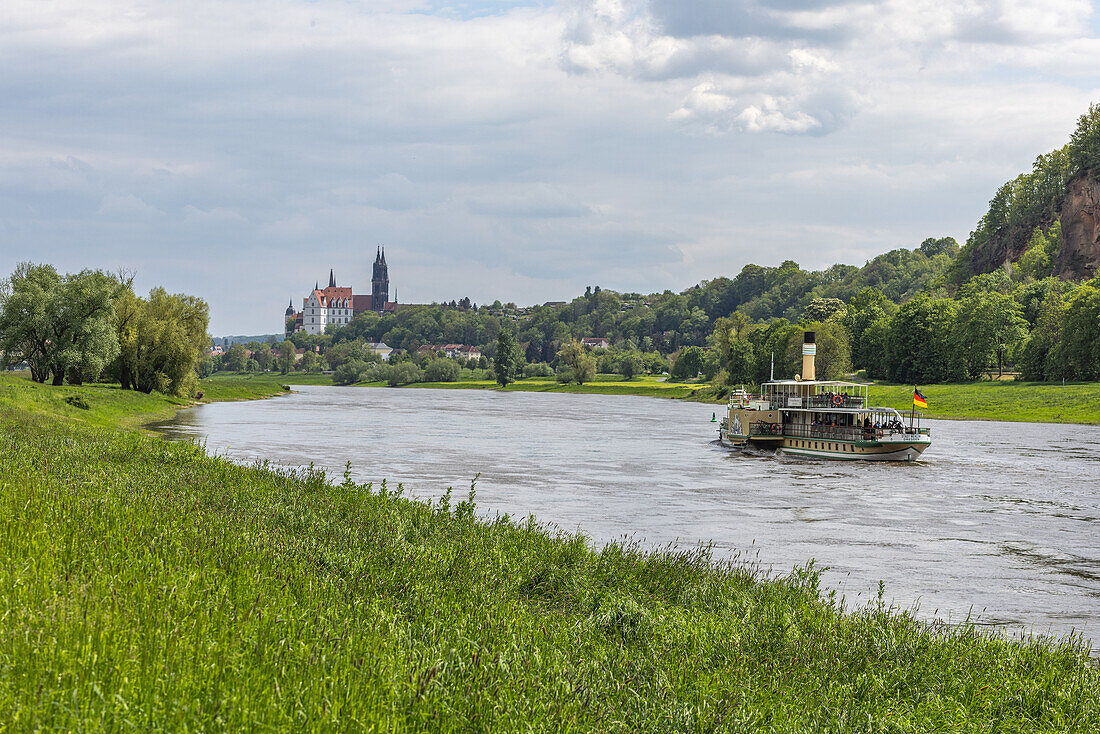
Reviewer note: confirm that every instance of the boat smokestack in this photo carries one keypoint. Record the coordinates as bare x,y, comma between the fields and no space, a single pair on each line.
809,350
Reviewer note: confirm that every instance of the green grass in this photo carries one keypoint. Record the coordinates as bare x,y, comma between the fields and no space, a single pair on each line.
147,586
110,406
1003,401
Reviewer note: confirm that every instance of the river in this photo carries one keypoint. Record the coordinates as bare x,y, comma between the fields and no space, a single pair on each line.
1000,521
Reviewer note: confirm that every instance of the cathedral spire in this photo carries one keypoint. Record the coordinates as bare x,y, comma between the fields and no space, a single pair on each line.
383,253
331,279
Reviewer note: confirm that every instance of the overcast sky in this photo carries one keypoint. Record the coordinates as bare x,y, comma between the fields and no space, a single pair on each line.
238,149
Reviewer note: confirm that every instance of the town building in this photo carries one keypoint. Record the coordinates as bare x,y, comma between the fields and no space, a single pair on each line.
338,305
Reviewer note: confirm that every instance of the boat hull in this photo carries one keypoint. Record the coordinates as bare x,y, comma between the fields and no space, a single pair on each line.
871,450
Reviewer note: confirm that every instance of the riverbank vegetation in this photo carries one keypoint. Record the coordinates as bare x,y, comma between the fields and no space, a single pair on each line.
82,327
150,586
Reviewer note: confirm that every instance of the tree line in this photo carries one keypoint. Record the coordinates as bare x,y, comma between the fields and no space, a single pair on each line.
87,326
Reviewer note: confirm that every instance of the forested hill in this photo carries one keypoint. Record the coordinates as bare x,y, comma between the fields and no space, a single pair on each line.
1046,221
659,322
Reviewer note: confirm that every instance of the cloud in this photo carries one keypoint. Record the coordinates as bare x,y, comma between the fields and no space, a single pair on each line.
514,150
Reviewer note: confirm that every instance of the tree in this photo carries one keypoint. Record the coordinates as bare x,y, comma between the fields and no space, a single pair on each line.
822,309
630,364
1084,144
61,325
442,370
688,364
286,356
403,374
581,364
235,358
988,325
264,357
507,362
1079,348
921,347
1042,250
25,318
171,337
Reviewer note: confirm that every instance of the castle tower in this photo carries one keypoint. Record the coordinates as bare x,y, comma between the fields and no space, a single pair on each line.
380,282
289,319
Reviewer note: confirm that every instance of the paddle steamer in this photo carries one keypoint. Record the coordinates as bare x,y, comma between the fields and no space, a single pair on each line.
826,419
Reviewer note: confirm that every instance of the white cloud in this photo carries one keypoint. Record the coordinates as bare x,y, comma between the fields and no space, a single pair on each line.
519,154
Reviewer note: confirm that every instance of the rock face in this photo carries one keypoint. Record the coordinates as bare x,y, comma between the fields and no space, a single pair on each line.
1079,257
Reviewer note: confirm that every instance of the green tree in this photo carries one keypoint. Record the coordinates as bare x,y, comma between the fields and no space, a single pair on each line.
442,370
264,357
25,318
286,356
921,346
630,364
581,364
688,365
61,325
404,373
171,338
349,372
822,309
1042,250
988,326
1040,359
1079,348
508,359
1084,144
235,358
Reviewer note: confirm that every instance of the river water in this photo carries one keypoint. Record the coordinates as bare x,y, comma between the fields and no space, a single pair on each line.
1000,521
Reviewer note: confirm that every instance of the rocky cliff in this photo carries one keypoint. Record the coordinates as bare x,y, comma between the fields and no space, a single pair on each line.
1079,257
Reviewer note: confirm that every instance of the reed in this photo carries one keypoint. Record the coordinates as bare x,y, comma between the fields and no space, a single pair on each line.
149,586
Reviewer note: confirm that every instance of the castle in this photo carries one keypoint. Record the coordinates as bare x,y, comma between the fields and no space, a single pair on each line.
338,305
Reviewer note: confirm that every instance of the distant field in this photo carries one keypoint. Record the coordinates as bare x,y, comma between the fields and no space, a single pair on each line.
648,386
1039,402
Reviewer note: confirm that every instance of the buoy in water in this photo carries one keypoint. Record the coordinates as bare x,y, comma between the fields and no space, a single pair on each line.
713,418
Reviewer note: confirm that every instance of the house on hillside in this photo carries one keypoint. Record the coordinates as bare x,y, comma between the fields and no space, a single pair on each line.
595,342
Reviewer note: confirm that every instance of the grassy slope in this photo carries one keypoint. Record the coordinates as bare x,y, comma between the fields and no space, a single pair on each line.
1007,401
109,406
149,586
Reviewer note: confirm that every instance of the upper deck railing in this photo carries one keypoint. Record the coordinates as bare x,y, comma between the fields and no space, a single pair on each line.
834,433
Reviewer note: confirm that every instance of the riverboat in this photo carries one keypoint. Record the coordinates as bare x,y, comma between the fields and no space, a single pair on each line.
825,419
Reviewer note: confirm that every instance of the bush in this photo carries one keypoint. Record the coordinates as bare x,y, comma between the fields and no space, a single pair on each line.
538,369
349,372
404,374
442,370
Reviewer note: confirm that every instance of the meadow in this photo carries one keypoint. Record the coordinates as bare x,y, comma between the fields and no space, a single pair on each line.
1038,402
150,586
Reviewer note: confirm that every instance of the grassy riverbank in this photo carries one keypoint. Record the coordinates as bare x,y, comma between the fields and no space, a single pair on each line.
1038,402
109,406
151,587
647,386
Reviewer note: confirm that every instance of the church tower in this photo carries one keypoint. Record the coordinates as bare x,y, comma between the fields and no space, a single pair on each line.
380,283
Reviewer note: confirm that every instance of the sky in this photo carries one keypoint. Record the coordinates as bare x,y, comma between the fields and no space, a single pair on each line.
239,149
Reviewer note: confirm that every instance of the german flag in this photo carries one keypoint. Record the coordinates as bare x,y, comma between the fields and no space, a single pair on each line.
919,401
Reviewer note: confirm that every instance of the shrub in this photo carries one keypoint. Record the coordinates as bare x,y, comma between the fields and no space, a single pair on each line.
442,370
538,369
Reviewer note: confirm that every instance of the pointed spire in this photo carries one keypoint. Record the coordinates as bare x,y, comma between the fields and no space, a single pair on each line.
331,279
383,253
316,286
378,254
